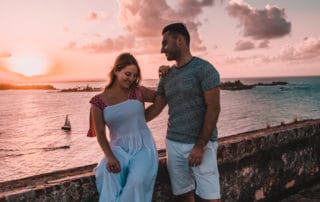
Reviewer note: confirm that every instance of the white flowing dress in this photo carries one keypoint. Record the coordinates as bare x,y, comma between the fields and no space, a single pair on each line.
133,145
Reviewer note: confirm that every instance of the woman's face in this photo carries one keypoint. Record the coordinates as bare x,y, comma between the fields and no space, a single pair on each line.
127,76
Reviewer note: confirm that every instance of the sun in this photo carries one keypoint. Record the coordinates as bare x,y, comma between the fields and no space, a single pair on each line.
29,65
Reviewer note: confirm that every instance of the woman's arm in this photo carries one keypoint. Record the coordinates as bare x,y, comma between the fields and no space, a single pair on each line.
113,165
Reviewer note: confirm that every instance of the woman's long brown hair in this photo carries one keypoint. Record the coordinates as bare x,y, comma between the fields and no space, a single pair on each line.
121,62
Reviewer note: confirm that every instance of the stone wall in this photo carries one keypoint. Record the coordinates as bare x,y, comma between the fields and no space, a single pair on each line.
262,165
270,164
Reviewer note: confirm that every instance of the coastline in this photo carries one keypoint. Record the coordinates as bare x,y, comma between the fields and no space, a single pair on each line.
227,85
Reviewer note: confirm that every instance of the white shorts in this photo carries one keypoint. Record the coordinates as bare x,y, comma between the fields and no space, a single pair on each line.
184,177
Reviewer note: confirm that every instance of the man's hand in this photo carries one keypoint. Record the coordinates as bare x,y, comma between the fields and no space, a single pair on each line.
196,155
163,70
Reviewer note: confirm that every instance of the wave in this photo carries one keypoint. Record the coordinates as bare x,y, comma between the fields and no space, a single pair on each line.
55,148
301,88
17,153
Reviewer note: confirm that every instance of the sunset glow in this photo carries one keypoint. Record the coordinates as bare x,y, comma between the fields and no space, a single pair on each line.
29,65
242,38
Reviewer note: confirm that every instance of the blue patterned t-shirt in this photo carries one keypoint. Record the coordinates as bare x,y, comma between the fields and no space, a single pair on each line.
184,89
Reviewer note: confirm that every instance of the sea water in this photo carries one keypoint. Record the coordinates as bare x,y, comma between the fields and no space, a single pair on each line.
32,142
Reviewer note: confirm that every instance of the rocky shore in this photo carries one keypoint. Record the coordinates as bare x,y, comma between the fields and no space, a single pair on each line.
81,89
228,85
238,85
4,86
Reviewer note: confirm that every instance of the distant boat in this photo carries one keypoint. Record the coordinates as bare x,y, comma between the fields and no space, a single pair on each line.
67,124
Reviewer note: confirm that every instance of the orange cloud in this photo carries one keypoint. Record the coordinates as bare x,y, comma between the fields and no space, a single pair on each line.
5,54
56,69
94,16
7,76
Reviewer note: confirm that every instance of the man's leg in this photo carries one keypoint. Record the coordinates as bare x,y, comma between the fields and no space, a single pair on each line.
207,175
187,197
211,200
181,177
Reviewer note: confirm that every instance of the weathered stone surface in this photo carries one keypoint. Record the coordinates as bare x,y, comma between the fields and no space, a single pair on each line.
263,165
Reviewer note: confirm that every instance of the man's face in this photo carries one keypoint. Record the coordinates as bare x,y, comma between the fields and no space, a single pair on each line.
169,47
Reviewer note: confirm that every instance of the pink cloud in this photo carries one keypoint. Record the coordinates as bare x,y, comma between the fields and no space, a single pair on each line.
308,49
143,21
241,59
244,45
146,20
106,46
266,23
109,45
264,44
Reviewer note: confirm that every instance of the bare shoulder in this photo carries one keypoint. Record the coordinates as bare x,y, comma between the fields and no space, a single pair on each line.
99,95
103,96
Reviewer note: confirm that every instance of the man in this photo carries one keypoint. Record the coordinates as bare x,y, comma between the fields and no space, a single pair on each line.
191,89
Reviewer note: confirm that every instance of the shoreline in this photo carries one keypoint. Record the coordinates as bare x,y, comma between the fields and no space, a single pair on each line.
227,85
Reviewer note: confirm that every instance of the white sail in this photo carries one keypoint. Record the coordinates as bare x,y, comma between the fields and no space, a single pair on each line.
67,121
67,124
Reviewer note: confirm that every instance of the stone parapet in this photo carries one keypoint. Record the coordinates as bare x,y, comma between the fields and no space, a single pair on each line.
269,164
262,165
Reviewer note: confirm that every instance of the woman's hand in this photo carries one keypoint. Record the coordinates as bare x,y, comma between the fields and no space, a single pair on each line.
163,70
113,165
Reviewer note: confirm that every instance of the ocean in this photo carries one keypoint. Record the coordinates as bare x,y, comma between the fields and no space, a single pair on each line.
32,142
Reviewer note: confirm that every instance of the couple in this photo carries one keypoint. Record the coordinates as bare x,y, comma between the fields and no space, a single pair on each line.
191,89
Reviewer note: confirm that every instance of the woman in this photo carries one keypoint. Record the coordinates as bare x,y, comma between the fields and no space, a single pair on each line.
129,167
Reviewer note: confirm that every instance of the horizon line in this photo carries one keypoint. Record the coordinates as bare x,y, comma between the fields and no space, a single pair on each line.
105,80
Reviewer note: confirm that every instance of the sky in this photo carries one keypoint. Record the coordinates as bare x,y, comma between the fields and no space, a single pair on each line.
42,40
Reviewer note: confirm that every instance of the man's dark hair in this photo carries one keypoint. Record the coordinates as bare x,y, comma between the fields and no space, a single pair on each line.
178,28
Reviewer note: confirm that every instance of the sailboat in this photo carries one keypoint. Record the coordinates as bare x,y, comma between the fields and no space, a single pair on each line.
67,124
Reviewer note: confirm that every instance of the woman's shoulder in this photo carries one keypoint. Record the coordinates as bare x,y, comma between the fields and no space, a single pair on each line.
98,101
136,92
99,94
96,96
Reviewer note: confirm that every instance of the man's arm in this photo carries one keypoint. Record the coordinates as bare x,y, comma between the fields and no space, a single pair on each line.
212,101
154,110
148,94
